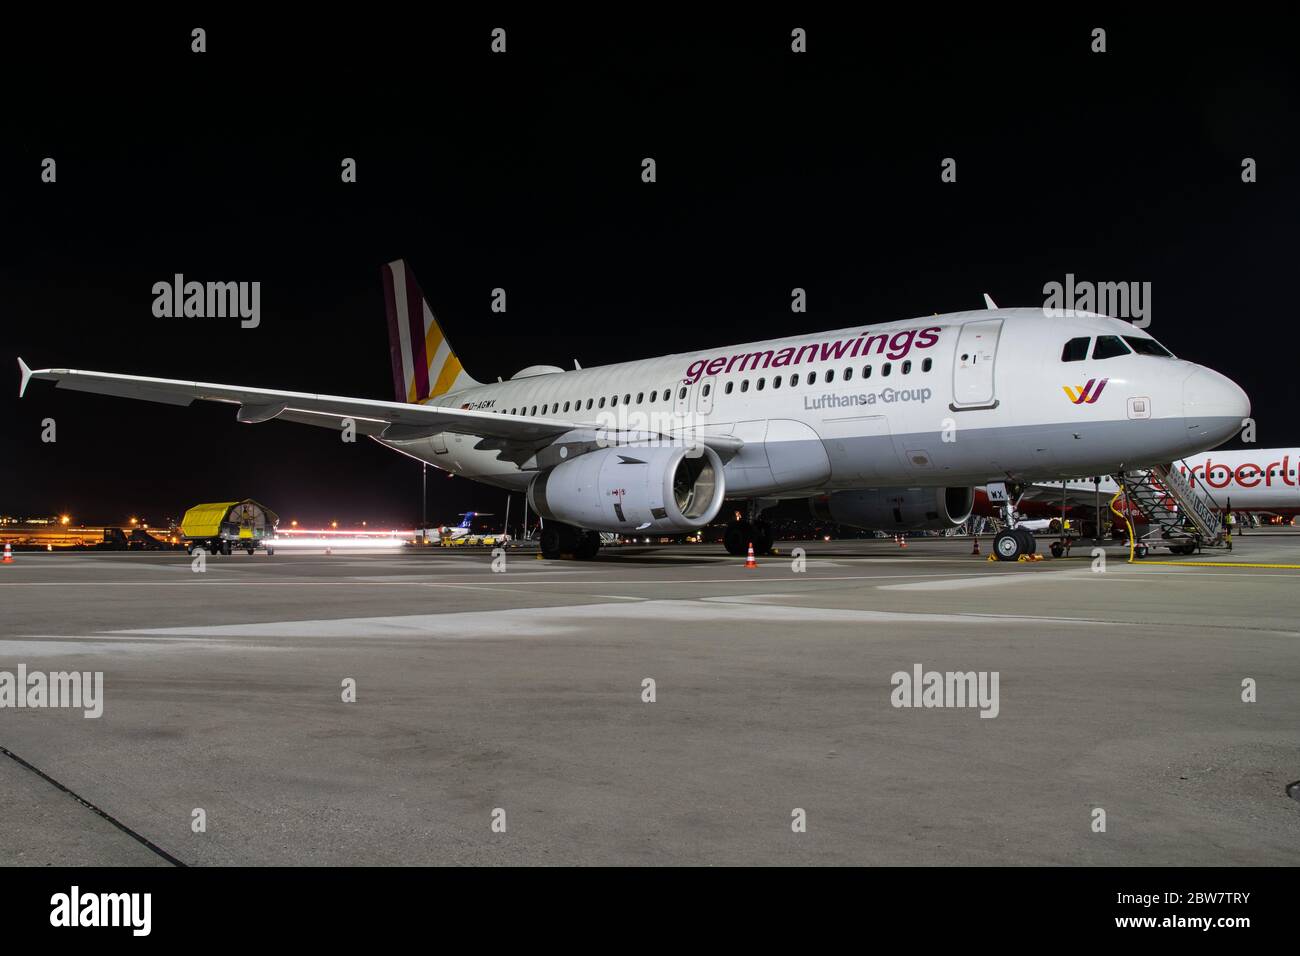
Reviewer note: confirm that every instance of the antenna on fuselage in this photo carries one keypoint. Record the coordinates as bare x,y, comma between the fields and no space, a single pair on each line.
988,302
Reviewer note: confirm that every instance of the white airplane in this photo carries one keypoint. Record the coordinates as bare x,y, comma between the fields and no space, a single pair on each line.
891,422
464,532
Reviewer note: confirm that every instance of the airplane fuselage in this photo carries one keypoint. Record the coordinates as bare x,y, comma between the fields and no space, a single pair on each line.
957,399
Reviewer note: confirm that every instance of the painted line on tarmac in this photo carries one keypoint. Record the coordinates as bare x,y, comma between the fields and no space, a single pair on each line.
142,840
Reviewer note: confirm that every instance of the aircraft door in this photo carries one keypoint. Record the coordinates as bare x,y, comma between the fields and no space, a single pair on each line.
704,400
973,365
682,399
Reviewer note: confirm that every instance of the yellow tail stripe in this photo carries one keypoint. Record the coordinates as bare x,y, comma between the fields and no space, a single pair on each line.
447,377
432,342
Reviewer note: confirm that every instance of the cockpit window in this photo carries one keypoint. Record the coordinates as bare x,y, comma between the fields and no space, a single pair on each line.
1076,350
1147,346
1109,346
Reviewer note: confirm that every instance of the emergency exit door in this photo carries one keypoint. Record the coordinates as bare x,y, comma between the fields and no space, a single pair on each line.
973,365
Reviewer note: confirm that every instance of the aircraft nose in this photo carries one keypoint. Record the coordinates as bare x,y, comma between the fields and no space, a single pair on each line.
1213,406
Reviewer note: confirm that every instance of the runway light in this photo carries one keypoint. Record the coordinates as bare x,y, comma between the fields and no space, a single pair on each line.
294,522
135,521
64,519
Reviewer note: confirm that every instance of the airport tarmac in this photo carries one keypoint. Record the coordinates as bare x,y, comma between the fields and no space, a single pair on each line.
522,691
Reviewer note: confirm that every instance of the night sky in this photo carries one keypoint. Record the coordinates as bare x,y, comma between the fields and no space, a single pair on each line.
522,171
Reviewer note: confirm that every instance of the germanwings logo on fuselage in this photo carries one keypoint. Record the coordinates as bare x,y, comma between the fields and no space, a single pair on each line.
1085,394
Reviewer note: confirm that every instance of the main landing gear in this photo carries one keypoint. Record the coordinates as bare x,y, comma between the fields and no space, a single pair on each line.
740,534
559,540
1011,543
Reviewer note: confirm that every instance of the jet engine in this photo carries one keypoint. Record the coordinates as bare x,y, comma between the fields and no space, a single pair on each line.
661,489
896,509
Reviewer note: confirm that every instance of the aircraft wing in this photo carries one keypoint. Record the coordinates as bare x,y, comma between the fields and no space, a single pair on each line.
1076,493
397,421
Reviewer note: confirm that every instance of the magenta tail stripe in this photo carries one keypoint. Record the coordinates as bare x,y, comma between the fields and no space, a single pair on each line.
415,314
394,337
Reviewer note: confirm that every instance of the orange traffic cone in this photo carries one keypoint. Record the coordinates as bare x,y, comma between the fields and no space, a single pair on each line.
9,553
749,561
976,549
902,541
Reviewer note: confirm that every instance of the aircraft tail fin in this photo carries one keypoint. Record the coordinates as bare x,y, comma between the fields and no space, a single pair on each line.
424,364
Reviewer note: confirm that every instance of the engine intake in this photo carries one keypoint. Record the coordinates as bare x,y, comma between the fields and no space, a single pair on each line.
896,509
669,488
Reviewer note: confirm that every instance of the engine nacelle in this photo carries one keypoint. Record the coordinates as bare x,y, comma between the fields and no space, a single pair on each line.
896,509
667,489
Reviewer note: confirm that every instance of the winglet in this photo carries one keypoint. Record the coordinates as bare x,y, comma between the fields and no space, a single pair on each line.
988,302
27,376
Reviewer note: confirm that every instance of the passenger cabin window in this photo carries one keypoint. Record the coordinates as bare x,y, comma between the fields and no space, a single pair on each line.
927,364
1076,350
707,388
744,386
776,382
1109,346
682,393
794,380
886,368
729,387
812,378
1147,347
848,374
761,383
866,371
830,375
907,367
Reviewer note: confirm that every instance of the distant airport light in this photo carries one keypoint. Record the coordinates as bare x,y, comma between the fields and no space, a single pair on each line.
64,520
326,540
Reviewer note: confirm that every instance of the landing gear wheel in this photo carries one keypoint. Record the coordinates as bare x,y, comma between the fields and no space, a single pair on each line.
249,550
737,537
552,541
1058,549
561,539
1027,542
1008,545
762,539
588,545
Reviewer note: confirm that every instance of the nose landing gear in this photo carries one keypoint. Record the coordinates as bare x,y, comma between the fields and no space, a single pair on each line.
1011,543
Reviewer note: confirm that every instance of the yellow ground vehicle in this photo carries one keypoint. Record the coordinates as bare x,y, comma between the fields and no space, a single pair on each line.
224,526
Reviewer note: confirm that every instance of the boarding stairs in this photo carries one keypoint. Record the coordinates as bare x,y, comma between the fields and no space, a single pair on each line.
1181,514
